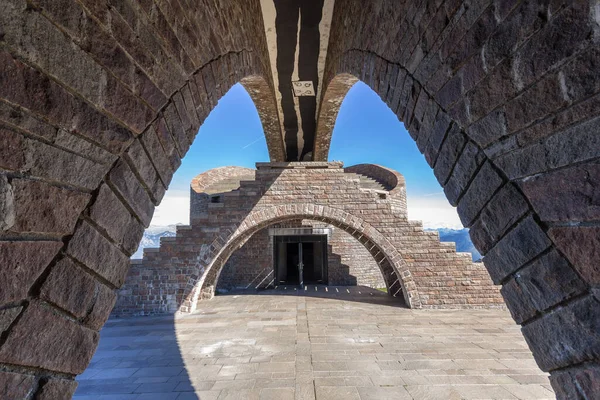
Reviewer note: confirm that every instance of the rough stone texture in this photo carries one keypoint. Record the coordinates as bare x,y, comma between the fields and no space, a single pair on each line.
577,327
103,305
92,249
503,210
48,348
7,207
412,262
22,264
479,192
54,389
548,281
36,211
581,245
7,316
520,245
84,79
16,386
69,287
577,382
112,215
569,194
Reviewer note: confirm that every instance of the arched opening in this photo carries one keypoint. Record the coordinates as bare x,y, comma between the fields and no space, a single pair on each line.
269,259
101,101
397,277
387,270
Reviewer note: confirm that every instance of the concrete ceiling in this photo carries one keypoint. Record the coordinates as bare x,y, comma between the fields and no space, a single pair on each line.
297,34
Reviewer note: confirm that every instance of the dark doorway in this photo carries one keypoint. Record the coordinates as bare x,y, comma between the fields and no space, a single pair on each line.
300,259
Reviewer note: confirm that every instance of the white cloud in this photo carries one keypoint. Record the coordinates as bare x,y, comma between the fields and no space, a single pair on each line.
434,211
174,209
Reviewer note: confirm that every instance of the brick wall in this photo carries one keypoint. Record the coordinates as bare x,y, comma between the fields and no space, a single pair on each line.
186,267
349,263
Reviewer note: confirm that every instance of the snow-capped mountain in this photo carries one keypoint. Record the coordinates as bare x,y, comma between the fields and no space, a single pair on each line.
152,237
461,238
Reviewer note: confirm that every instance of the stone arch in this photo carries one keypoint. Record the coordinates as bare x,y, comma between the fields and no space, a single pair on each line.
101,99
333,96
395,271
91,139
487,99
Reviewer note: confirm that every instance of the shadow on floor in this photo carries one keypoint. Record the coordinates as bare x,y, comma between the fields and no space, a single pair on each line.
137,358
361,294
140,358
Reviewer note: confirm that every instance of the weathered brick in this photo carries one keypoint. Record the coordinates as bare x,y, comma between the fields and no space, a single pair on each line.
495,89
451,149
464,169
451,91
569,194
56,388
49,162
145,169
177,129
576,382
23,262
503,210
166,140
488,129
158,155
69,287
527,107
479,192
437,136
568,32
578,143
581,76
103,305
581,245
519,246
132,191
43,208
62,345
16,386
577,326
31,89
548,281
111,215
89,247
7,316
527,18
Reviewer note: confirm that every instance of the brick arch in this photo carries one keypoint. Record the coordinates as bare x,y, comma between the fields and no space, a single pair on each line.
498,100
99,102
101,99
393,268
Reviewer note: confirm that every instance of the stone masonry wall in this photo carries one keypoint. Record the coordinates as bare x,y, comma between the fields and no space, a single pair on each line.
251,266
185,265
100,100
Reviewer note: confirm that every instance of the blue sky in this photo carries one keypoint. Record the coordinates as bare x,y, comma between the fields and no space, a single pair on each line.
366,131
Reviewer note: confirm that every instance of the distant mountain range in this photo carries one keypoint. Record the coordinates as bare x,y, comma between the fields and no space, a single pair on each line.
461,237
152,237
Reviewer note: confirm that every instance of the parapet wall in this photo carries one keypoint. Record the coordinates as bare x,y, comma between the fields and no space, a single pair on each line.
413,263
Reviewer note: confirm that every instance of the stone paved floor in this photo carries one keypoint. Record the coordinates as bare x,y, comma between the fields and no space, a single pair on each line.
314,344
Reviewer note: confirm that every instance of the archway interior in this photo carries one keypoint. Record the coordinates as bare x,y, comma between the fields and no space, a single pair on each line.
344,262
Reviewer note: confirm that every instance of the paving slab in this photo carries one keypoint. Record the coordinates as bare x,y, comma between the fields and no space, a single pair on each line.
349,343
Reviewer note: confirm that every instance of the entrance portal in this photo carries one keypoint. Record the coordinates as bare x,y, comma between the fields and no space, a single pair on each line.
300,259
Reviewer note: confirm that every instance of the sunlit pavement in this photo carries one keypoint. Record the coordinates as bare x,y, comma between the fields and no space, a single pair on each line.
314,342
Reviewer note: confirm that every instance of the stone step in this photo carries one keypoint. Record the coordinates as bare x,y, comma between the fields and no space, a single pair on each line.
370,183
